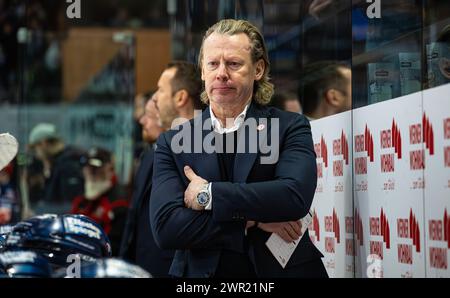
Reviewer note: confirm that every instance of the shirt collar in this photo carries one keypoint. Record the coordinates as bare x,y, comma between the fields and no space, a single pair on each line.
217,126
310,118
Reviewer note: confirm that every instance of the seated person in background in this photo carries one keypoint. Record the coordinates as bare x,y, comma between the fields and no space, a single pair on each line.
61,170
103,200
325,89
286,102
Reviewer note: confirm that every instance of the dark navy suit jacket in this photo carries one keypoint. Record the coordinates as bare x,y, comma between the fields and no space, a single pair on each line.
138,244
277,192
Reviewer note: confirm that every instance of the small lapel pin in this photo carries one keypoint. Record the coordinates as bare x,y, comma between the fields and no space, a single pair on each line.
260,127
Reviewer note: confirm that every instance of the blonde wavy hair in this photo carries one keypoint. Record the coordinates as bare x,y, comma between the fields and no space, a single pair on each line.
262,89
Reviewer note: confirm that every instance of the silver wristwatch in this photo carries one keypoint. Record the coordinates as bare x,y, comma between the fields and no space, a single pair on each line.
203,197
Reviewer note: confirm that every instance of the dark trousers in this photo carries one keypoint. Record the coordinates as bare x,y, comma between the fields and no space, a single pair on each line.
234,265
310,269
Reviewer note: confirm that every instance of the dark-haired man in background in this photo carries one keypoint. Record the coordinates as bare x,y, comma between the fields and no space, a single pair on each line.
325,89
177,97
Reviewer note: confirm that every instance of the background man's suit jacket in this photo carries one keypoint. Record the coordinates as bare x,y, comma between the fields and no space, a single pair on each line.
138,244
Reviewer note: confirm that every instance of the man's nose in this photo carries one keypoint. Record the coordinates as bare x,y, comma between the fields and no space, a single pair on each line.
222,73
154,98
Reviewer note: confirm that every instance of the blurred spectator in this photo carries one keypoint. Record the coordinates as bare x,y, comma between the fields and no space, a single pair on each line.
7,195
61,170
178,95
40,56
286,102
325,89
103,200
35,180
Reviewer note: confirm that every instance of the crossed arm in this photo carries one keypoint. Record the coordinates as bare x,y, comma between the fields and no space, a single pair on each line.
178,222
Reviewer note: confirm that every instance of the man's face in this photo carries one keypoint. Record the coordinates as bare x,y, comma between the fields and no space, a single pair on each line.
40,149
228,70
97,180
98,174
150,124
164,99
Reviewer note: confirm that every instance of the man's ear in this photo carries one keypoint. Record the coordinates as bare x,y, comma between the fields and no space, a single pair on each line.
181,98
260,68
334,98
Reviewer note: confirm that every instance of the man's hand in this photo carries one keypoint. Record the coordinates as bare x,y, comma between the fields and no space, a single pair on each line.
250,224
288,231
194,187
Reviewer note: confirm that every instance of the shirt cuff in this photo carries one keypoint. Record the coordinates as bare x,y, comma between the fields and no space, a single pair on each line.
209,206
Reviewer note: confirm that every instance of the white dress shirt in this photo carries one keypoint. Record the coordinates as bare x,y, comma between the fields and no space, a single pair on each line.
218,128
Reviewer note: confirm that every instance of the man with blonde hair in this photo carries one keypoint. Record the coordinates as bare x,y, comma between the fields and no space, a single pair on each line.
226,180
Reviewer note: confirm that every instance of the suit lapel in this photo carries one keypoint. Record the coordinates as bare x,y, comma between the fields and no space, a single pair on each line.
243,162
144,175
204,164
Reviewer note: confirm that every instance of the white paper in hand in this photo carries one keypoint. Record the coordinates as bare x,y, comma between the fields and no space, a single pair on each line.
281,250
8,149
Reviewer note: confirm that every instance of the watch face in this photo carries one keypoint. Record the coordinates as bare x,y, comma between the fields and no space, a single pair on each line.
203,199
